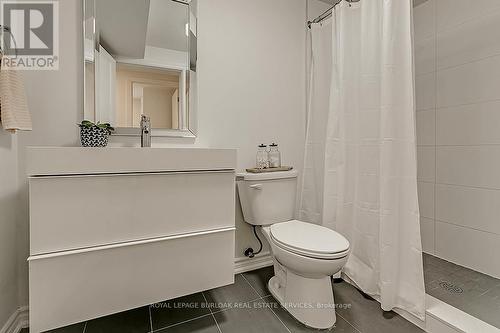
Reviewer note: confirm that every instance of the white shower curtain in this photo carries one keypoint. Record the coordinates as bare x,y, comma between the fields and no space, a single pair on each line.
360,173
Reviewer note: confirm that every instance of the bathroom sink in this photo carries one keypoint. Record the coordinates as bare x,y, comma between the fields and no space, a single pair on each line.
78,160
102,217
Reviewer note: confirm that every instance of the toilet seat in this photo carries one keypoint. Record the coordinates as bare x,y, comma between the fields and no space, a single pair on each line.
309,240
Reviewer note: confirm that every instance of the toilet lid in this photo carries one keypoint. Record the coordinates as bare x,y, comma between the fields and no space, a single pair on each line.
309,238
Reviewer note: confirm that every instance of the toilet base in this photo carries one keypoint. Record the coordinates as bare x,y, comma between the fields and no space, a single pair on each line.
308,300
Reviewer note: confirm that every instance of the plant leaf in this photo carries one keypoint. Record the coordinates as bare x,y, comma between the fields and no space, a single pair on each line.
86,123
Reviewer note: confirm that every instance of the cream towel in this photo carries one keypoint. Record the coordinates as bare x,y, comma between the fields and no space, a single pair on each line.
14,113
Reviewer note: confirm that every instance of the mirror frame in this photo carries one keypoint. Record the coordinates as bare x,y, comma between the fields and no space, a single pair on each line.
191,91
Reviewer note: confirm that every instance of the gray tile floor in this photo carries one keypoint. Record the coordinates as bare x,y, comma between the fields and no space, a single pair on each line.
472,292
245,306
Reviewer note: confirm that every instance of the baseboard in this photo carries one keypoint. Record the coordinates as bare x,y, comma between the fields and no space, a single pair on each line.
18,320
245,264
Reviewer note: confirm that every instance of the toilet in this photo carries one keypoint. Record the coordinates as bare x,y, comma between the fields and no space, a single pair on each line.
305,255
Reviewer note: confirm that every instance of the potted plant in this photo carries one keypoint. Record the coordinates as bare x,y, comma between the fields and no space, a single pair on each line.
94,135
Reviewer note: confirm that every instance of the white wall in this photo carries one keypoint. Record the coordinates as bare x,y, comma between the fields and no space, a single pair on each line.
55,101
8,199
251,90
252,81
458,116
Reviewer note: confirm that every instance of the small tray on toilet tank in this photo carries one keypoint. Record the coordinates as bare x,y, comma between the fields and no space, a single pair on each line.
267,175
257,170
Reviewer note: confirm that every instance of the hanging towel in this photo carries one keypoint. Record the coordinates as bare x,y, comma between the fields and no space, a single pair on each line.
14,113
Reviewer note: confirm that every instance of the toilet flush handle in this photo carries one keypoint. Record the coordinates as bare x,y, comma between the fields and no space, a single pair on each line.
256,186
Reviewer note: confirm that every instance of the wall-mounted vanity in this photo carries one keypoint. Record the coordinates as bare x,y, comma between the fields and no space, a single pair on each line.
140,58
118,228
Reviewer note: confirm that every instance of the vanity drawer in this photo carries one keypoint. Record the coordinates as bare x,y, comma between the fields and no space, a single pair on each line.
72,212
75,286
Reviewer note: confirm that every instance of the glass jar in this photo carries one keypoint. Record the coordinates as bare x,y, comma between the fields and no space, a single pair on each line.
274,156
262,157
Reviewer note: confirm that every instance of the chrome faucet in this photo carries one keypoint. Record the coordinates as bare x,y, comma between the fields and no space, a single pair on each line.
145,131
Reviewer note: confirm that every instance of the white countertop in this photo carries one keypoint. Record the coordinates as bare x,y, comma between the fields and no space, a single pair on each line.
44,161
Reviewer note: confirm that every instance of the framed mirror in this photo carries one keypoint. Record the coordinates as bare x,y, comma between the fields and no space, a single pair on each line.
140,59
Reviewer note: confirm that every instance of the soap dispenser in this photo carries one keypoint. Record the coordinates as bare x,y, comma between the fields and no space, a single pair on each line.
262,157
274,156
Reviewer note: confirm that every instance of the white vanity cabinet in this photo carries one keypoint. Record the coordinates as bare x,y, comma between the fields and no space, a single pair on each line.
118,228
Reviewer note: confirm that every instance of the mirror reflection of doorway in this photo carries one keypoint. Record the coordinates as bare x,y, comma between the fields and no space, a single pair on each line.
150,91
158,101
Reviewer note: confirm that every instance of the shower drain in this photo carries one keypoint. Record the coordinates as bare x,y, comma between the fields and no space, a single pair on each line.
451,288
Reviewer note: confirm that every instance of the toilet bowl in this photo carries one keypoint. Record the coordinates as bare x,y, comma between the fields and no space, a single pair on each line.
305,255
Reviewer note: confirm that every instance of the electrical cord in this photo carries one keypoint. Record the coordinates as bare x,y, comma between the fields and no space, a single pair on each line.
257,236
249,252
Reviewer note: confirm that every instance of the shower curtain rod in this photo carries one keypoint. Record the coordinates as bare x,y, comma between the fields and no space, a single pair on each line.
327,13
323,16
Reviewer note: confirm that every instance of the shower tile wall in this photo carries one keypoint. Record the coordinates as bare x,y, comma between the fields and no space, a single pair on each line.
457,60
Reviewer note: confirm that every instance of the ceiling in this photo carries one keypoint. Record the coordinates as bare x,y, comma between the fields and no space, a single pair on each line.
122,26
167,25
139,23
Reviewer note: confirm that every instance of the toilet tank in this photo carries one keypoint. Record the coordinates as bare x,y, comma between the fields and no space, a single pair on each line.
267,198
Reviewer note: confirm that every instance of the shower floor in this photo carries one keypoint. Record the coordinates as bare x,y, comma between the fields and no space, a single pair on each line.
472,292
